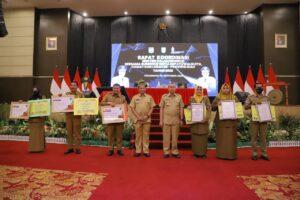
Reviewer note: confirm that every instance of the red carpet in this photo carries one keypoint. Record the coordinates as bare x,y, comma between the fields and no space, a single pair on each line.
156,177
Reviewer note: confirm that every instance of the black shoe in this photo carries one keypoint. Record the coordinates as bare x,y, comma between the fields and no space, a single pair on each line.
120,153
110,153
147,155
265,158
196,156
203,156
254,157
77,151
166,156
137,154
176,156
69,151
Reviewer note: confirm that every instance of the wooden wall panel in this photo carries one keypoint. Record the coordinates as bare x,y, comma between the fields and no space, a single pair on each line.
16,49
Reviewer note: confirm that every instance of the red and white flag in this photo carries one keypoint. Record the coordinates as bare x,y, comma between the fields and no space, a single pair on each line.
87,76
260,76
96,83
250,82
227,77
238,85
55,83
77,79
66,83
272,78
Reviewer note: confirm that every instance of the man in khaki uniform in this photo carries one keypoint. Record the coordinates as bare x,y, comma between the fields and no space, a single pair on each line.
141,106
258,128
171,116
114,131
73,124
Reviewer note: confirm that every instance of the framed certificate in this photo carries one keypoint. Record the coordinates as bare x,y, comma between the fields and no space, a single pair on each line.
39,108
116,114
227,110
86,106
62,104
264,112
197,112
19,110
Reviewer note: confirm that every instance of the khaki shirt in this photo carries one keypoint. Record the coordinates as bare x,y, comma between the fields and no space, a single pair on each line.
114,98
255,99
142,104
76,94
171,105
204,100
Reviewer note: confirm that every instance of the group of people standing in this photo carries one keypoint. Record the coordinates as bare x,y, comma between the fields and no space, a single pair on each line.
171,119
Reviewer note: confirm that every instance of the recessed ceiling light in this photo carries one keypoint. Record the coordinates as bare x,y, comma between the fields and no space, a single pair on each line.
167,12
245,12
210,12
125,13
85,14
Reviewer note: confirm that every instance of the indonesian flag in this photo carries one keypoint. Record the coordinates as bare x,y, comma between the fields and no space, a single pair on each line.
96,83
87,75
227,77
260,76
55,83
66,83
250,82
238,85
272,78
77,79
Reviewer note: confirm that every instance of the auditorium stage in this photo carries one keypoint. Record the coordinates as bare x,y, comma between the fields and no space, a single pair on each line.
152,178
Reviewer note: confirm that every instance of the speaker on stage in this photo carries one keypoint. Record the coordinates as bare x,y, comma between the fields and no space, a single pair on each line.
3,31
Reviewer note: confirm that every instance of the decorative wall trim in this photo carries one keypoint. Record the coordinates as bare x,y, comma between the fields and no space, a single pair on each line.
291,143
286,76
29,76
26,139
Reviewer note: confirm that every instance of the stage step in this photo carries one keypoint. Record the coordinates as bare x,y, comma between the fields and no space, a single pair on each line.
158,144
183,136
156,136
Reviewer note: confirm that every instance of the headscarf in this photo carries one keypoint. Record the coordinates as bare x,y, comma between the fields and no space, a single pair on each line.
198,97
223,96
36,95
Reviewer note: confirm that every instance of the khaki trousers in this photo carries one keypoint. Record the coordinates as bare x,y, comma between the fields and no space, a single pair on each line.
168,132
114,132
142,131
74,130
259,129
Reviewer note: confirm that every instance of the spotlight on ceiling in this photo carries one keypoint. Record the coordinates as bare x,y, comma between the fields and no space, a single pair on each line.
210,12
167,12
125,13
245,12
85,14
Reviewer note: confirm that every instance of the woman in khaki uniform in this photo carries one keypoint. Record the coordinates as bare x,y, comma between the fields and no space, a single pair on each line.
199,131
226,132
36,128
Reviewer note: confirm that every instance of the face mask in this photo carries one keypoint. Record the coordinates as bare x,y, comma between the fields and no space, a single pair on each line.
259,90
